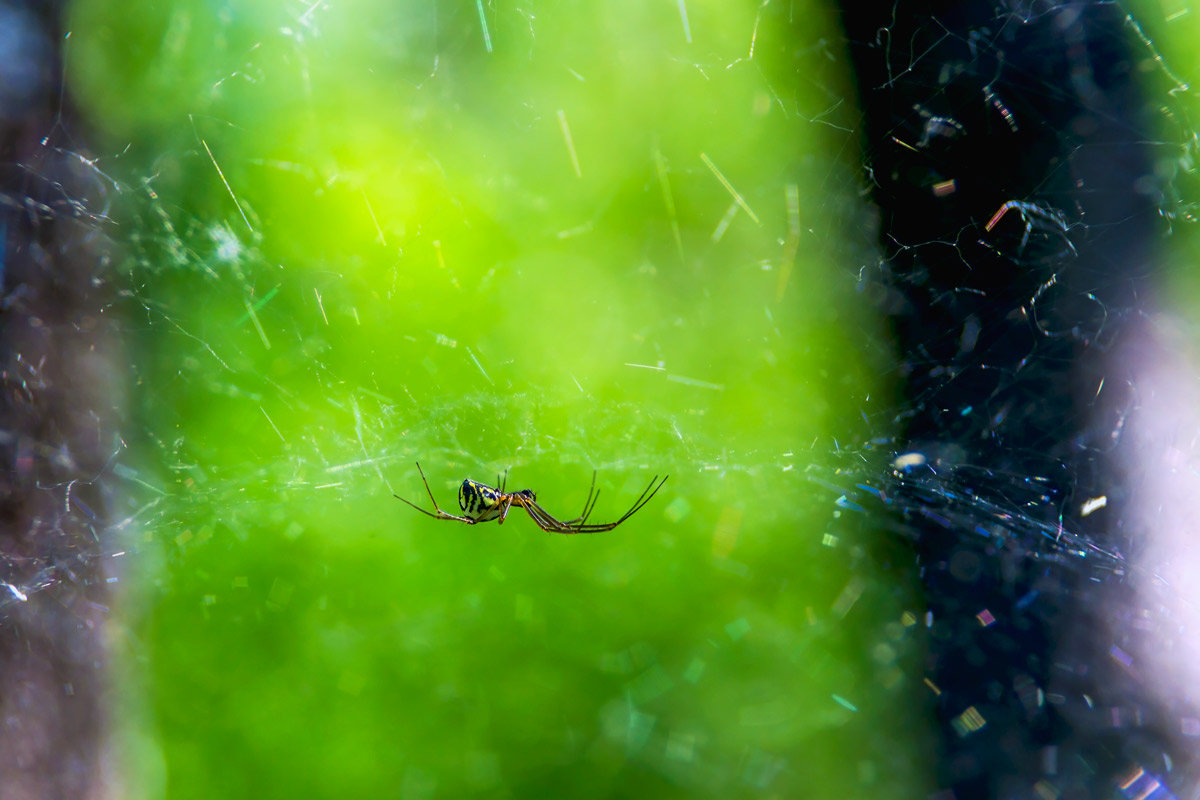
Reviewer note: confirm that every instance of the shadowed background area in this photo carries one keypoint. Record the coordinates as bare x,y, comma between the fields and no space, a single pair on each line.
1027,168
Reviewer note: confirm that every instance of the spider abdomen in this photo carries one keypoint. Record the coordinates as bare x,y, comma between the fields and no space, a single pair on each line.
478,501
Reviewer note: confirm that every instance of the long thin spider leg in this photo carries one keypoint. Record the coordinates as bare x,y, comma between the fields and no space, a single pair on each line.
642,499
587,512
545,520
427,489
439,515
651,490
592,493
438,509
571,526
414,505
588,504
597,527
540,516
645,497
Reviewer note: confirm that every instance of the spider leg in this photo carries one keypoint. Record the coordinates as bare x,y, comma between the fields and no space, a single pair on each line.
588,504
427,489
414,505
551,524
438,515
505,505
593,495
644,498
438,509
544,520
587,511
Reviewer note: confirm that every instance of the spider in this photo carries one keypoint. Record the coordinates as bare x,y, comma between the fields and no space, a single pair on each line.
482,503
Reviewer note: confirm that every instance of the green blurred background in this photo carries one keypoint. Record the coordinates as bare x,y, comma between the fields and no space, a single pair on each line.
616,236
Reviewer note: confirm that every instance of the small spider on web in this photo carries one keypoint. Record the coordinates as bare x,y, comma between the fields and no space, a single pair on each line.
482,503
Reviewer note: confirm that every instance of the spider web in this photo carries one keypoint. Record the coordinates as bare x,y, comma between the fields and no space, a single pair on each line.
907,403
